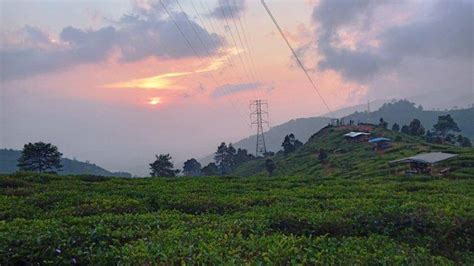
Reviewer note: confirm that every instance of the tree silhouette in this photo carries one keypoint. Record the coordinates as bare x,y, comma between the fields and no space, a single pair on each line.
395,127
445,124
224,158
192,168
291,144
466,142
270,166
383,123
405,130
416,128
40,157
210,170
163,166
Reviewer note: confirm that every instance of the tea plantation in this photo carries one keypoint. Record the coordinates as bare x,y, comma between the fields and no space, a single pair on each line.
51,219
353,209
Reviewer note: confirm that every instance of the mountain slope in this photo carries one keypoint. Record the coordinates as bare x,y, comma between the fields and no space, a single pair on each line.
355,160
9,160
401,112
303,128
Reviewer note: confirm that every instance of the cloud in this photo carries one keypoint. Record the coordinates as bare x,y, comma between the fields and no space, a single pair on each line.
228,89
165,80
445,33
139,35
228,9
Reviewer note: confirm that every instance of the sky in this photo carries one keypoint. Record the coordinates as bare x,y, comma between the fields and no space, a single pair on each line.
116,82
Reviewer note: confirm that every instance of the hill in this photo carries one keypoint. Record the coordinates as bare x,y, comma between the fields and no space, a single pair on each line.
401,112
348,159
9,160
303,128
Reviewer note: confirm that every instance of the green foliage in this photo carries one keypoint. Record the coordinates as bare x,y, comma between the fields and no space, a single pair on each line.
290,144
405,130
163,166
227,158
210,170
9,160
396,127
466,142
382,123
416,128
270,166
445,124
213,220
40,157
322,156
192,168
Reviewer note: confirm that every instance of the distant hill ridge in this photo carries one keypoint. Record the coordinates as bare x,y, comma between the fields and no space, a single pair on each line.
401,112
9,160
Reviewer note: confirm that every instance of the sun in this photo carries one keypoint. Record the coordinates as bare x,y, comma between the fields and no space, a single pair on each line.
154,101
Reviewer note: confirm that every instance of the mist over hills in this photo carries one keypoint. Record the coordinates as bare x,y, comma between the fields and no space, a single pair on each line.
9,160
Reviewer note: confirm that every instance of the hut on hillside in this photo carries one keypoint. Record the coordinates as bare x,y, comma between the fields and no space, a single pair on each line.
357,136
380,143
425,163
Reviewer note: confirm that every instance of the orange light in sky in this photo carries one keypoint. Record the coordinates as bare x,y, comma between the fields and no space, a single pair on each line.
166,80
154,101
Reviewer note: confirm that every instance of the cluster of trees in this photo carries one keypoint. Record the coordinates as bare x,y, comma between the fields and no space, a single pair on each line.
291,144
442,131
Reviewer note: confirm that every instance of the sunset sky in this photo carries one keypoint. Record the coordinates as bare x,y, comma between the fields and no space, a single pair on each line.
115,82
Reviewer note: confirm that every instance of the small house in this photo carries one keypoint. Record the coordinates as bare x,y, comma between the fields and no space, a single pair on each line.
357,136
424,163
380,143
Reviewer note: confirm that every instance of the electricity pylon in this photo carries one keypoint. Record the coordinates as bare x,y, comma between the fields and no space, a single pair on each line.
257,117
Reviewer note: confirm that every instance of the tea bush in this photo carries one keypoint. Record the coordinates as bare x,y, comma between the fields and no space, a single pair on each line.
266,220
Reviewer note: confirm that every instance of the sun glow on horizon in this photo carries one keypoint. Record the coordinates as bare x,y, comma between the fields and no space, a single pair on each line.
154,101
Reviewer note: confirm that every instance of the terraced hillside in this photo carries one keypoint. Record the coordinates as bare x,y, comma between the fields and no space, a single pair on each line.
357,160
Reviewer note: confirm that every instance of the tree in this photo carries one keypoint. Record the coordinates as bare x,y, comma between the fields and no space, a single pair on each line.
395,127
466,142
298,144
224,158
323,155
291,144
40,157
163,166
445,124
192,168
405,130
383,123
210,170
415,128
460,139
242,156
270,166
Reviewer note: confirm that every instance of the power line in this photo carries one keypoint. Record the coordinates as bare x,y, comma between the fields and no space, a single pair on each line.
226,91
247,44
192,48
294,53
238,35
235,43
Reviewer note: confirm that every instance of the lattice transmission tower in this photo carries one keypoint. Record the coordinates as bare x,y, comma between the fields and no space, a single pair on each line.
259,117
